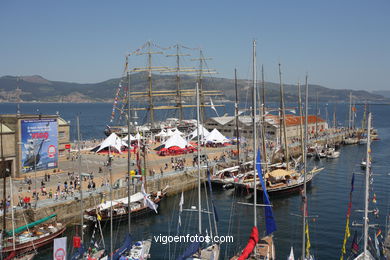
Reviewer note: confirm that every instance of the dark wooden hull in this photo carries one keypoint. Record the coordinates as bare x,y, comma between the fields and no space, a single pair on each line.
282,191
29,246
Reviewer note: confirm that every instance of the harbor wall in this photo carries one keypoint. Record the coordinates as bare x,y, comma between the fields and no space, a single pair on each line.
68,211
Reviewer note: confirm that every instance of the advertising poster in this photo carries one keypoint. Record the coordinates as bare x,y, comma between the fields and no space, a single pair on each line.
39,140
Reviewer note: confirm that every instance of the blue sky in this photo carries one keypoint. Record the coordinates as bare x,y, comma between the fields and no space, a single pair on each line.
340,44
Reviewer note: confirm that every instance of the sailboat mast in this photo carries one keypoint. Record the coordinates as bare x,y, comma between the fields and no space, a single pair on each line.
366,195
300,117
262,119
316,113
305,170
283,119
80,177
198,154
111,211
236,110
128,145
350,111
150,83
4,173
12,213
254,100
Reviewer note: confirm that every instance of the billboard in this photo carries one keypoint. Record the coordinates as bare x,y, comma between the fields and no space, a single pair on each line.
39,140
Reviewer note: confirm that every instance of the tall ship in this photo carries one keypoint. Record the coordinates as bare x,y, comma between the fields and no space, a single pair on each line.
161,95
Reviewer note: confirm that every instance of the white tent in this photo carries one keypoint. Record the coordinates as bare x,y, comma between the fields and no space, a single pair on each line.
202,130
176,140
132,138
138,137
162,133
216,137
112,141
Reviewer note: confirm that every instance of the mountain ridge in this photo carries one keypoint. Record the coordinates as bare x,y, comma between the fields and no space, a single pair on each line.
36,88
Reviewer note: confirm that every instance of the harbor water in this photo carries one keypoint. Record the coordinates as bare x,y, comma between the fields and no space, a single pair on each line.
327,197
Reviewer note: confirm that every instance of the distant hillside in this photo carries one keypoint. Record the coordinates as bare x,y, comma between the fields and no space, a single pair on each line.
39,89
385,93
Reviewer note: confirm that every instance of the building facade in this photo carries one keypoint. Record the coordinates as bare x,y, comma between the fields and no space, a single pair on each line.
32,143
227,126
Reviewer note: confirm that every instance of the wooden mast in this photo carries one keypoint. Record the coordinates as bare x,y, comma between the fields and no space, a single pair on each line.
128,146
179,103
236,110
4,175
262,120
304,209
254,140
283,121
300,117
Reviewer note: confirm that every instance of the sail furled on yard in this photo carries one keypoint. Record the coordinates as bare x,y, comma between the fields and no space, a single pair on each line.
270,224
347,233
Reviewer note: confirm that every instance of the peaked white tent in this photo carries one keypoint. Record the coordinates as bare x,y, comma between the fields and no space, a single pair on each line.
202,130
112,141
176,140
216,137
162,133
132,138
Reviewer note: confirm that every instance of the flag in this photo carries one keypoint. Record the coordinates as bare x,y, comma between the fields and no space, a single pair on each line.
291,256
148,202
307,240
59,249
270,224
181,207
213,107
355,246
378,253
346,236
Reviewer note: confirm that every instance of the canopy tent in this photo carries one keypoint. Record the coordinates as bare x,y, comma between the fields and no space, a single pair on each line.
112,141
162,133
132,138
176,140
202,131
138,137
216,137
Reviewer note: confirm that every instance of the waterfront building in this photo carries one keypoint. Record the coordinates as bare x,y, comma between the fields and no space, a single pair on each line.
227,126
33,143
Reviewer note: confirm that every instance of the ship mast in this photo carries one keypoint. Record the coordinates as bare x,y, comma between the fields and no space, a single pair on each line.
201,71
150,69
283,120
236,111
262,120
304,210
254,138
179,103
367,183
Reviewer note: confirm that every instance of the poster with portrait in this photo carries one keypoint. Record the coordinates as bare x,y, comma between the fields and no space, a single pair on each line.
39,141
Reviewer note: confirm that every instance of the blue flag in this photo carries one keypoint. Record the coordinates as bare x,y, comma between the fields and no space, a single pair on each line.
269,216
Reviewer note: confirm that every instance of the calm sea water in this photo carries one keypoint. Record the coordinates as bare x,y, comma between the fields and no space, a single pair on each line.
328,195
